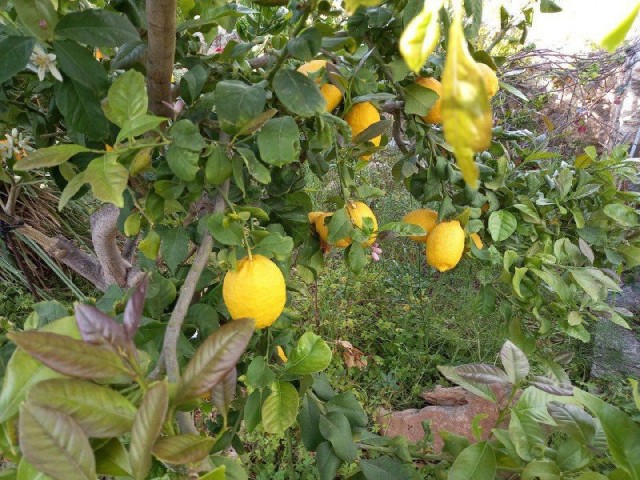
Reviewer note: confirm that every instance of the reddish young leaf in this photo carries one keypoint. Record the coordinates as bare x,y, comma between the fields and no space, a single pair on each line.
133,310
97,328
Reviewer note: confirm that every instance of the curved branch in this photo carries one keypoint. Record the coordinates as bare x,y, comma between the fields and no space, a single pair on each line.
104,233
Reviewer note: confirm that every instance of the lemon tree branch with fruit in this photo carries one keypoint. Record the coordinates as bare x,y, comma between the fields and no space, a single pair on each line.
196,146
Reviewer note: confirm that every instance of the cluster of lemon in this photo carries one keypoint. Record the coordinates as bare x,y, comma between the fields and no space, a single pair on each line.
256,288
444,241
364,114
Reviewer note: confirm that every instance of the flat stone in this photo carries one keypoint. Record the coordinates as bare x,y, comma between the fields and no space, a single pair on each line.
454,411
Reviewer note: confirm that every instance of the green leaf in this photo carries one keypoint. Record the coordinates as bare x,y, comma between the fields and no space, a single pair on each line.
615,37
68,356
259,375
311,355
502,224
298,93
279,141
335,427
147,425
127,98
183,162
256,169
112,459
136,126
573,455
24,371
386,468
624,215
237,104
275,245
339,226
352,5
512,90
55,444
623,434
280,409
348,405
15,52
327,461
514,361
71,189
421,37
418,100
150,245
631,255
252,409
233,468
528,212
26,471
217,355
186,134
402,229
98,28
49,157
475,461
482,390
39,16
518,274
549,6
218,167
81,109
225,231
183,449
80,65
573,421
306,45
224,392
101,412
219,473
356,258
541,470
308,419
108,179
175,246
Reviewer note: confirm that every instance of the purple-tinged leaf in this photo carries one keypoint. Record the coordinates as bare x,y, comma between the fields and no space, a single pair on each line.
514,361
146,428
134,308
100,411
224,392
65,355
482,373
55,444
183,449
98,328
216,356
549,385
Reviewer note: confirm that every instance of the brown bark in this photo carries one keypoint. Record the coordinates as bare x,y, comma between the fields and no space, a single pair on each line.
104,233
161,38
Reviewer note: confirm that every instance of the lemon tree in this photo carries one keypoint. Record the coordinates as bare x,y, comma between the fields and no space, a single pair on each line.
196,145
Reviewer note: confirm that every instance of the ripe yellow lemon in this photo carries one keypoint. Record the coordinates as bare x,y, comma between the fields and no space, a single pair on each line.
256,289
424,218
435,114
445,245
330,92
477,241
360,117
357,212
490,79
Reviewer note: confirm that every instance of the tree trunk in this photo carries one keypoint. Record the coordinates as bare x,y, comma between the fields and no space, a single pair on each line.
161,17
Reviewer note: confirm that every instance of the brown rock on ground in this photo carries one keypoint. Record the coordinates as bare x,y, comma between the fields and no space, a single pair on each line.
452,409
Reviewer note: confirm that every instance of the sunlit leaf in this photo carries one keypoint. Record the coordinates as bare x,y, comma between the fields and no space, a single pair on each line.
466,111
615,37
421,36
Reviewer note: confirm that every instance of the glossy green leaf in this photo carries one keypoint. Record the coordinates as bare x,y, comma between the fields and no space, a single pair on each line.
101,412
98,28
71,189
108,179
573,455
218,473
475,461
298,93
136,126
280,408
237,104
335,427
311,355
49,157
175,246
218,166
147,425
112,459
186,135
39,16
15,52
26,471
348,405
573,421
127,98
279,141
624,215
55,444
386,468
615,37
308,419
541,470
259,374
501,225
623,434
81,109
418,100
327,461
79,64
150,245
514,361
